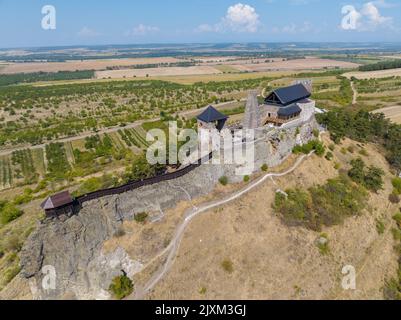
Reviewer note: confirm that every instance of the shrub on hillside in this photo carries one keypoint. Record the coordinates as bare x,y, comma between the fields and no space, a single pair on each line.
307,148
364,126
327,204
397,185
329,156
223,181
141,217
121,287
9,212
371,179
228,266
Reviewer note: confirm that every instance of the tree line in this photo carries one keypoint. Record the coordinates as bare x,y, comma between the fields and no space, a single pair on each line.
383,65
10,79
364,126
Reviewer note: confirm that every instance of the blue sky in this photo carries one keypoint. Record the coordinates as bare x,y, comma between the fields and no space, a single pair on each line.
89,22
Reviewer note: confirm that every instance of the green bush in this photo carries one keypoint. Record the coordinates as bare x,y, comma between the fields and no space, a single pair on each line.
121,287
265,168
10,273
327,204
380,227
397,219
313,145
141,217
97,183
9,212
329,156
364,153
246,178
397,185
223,181
374,179
371,179
363,127
228,266
141,169
23,198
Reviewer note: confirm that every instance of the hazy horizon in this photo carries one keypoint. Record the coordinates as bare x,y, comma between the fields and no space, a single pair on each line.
124,22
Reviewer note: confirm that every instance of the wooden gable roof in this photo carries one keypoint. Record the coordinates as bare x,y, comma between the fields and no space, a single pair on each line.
56,201
288,95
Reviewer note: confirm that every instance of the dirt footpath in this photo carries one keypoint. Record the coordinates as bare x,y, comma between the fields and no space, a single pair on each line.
273,261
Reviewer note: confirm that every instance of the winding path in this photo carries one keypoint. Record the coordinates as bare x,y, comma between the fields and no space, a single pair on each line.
174,245
355,93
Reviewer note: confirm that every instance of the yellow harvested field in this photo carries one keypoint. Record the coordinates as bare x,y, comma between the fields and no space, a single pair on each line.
392,113
155,72
183,79
81,65
375,74
227,68
298,64
214,59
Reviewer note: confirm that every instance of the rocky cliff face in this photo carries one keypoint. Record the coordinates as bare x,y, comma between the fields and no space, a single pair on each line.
73,246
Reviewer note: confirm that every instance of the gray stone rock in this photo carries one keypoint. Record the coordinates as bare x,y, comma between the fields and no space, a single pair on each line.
73,245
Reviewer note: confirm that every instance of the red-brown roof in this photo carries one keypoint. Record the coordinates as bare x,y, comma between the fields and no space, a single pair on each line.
58,200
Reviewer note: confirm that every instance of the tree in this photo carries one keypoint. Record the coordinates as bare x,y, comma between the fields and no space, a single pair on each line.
357,173
121,287
374,179
141,169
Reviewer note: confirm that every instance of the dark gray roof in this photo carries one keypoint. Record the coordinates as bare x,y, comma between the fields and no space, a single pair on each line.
289,111
288,95
211,115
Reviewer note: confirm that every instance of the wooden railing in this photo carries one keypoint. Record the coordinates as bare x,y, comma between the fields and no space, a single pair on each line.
141,183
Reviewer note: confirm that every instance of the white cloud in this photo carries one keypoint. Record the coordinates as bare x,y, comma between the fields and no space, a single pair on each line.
206,28
368,18
294,28
372,13
242,17
239,18
142,30
85,32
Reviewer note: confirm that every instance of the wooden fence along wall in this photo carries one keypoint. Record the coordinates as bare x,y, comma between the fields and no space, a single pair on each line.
130,186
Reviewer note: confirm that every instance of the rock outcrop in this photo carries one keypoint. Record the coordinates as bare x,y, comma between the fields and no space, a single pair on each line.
73,245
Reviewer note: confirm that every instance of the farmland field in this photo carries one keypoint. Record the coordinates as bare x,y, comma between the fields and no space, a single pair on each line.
32,67
297,64
374,74
391,113
156,72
